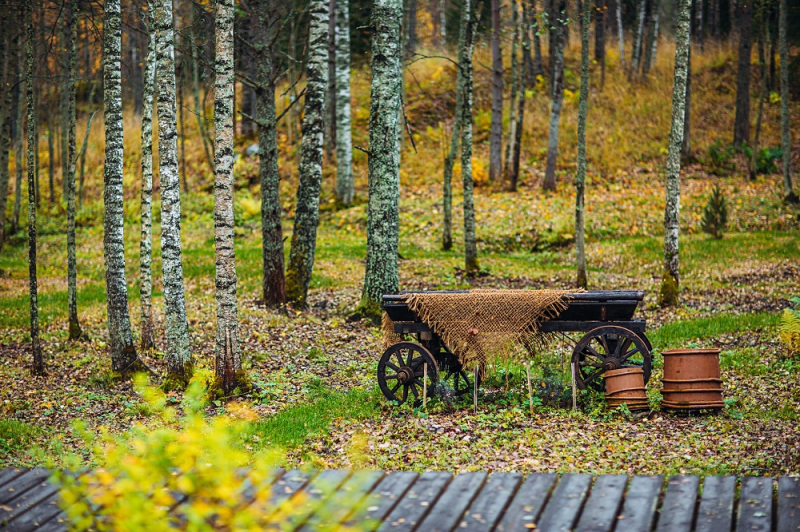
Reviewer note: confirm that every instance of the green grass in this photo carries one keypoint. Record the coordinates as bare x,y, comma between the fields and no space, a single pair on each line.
15,435
673,334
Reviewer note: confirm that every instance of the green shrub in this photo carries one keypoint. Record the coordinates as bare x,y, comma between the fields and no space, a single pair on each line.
765,158
720,158
790,329
715,214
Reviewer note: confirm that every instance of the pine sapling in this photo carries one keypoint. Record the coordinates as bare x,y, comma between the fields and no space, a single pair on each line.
715,214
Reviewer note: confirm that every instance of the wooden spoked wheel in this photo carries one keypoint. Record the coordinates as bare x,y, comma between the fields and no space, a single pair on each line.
402,373
605,349
463,381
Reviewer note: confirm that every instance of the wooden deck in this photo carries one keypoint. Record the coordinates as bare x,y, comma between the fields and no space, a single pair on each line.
438,501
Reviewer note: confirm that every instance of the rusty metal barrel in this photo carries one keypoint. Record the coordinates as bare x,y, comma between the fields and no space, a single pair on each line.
691,379
626,386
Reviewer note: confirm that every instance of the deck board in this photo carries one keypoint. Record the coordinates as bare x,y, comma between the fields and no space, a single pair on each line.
22,483
755,505
565,504
789,504
343,501
677,510
373,509
715,513
416,502
452,503
639,508
600,511
527,504
489,504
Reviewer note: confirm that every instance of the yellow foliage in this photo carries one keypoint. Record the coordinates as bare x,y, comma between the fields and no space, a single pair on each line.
790,332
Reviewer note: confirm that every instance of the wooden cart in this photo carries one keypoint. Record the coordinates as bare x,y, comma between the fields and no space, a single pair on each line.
612,340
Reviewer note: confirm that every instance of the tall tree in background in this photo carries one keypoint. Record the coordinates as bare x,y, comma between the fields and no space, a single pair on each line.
600,37
37,367
179,349
383,221
228,353
670,283
786,139
698,17
330,98
496,134
411,24
123,352
511,146
520,101
306,219
580,178
66,37
71,22
741,124
471,265
146,242
344,142
620,33
263,19
82,156
648,56
555,107
5,116
638,38
19,122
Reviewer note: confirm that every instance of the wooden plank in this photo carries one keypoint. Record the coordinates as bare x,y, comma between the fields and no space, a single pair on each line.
343,501
37,516
489,504
56,524
527,504
458,495
600,511
22,483
639,509
27,500
789,504
677,510
755,505
411,509
289,484
250,491
565,503
715,513
7,475
313,495
370,513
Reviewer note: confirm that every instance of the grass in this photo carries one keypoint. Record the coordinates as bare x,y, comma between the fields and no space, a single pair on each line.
677,333
15,435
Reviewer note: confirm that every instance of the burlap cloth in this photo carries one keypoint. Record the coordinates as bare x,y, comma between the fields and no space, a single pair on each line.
482,326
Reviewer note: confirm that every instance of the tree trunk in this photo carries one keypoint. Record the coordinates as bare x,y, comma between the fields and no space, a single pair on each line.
83,150
698,16
146,243
600,38
64,100
71,22
686,141
653,51
527,59
671,280
199,108
520,103
538,68
181,82
18,142
344,143
228,353
652,38
471,265
443,21
496,135
511,145
786,139
5,120
741,125
51,157
555,112
636,53
620,33
383,223
306,219
123,352
762,92
411,39
580,179
715,18
179,348
273,281
330,97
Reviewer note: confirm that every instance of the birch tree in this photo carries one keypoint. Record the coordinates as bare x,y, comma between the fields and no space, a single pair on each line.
306,219
179,354
71,22
580,178
5,121
273,281
37,367
471,265
668,295
449,162
496,134
18,143
383,221
511,143
123,352
638,37
555,108
620,33
344,143
786,139
146,242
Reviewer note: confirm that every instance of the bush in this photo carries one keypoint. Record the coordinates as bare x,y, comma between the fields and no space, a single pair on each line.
790,329
720,158
715,214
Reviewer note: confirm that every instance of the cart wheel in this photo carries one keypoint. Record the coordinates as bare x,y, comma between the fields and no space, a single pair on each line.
462,381
401,371
608,348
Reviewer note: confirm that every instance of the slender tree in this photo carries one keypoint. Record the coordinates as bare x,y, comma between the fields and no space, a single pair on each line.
344,143
638,38
66,37
263,20
199,107
698,16
228,353
670,283
762,92
741,124
786,139
123,352
520,103
6,53
648,56
51,155
146,242
383,222
620,33
306,219
37,367
686,143
511,146
18,141
71,22
83,148
580,179
496,134
555,109
411,33
471,265
179,349
330,97
600,38
538,68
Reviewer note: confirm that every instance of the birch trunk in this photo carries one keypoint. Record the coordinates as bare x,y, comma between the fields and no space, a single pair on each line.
306,219
5,124
652,38
786,139
123,352
580,179
330,97
496,135
741,124
83,150
636,53
37,367
686,142
511,145
179,354
471,265
620,33
64,99
18,143
555,111
538,68
228,354
71,22
146,242
383,222
520,104
273,281
344,143
670,283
